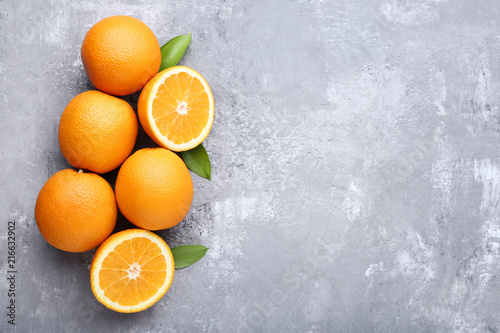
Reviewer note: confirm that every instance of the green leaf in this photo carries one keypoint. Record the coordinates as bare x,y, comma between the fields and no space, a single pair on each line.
186,255
173,50
197,160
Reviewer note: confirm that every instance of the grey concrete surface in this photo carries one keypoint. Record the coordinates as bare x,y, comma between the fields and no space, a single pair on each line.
355,156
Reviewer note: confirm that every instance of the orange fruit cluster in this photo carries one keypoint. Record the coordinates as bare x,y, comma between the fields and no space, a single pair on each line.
76,211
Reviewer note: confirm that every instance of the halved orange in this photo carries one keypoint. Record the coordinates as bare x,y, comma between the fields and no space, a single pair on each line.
176,108
131,270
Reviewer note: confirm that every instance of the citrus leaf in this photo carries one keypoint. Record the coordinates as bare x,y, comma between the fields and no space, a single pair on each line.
197,160
173,50
186,255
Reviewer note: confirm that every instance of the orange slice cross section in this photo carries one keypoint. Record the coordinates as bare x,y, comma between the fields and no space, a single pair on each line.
176,108
131,270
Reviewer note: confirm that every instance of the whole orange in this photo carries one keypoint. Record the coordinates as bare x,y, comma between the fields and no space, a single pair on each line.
97,131
75,211
154,189
120,55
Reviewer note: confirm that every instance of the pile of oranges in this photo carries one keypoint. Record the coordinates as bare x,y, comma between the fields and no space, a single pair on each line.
76,210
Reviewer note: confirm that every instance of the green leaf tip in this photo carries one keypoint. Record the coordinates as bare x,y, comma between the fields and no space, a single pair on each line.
173,50
186,255
197,160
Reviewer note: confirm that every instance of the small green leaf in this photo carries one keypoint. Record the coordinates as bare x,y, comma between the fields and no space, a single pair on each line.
197,160
173,50
186,255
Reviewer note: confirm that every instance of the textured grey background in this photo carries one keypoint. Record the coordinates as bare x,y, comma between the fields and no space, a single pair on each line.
355,156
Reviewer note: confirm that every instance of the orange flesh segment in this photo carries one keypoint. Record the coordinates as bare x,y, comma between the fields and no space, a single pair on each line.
114,274
139,246
130,294
147,289
181,108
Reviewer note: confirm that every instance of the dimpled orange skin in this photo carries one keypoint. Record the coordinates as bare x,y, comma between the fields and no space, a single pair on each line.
154,189
75,212
120,55
97,131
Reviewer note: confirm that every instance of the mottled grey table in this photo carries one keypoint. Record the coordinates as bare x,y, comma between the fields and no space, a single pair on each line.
355,156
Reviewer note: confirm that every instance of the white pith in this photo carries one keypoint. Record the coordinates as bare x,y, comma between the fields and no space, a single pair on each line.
182,108
154,89
133,271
